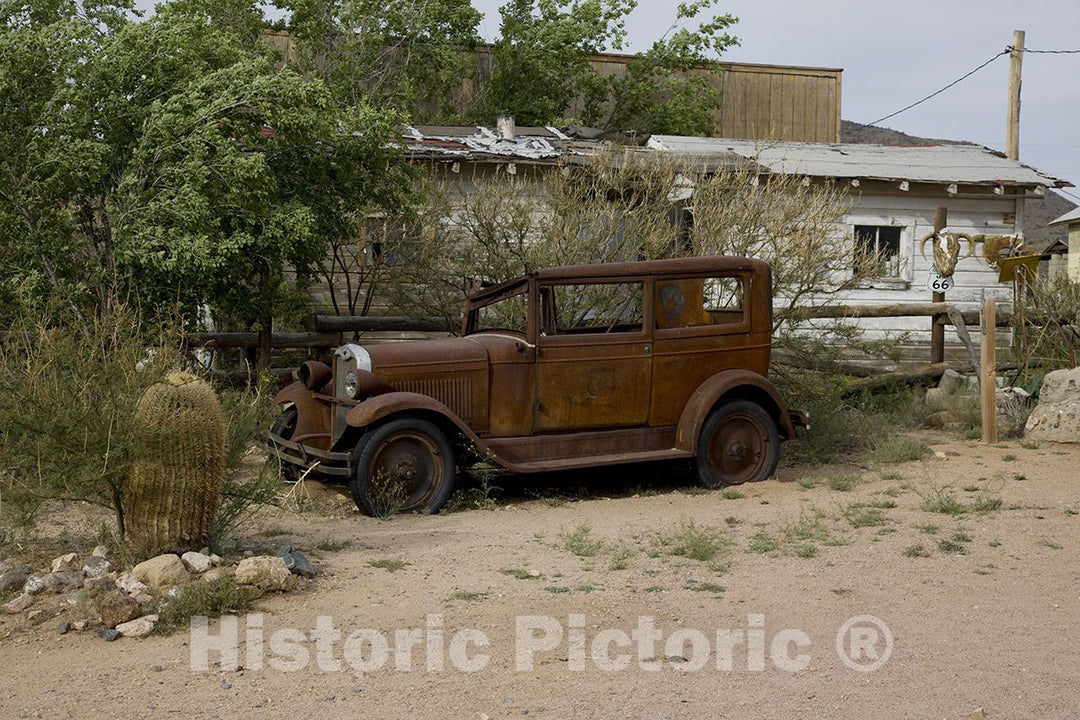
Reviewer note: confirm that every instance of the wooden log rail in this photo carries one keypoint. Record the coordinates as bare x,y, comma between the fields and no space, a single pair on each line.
931,309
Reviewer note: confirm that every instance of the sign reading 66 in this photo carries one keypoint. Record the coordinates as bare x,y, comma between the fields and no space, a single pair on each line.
937,283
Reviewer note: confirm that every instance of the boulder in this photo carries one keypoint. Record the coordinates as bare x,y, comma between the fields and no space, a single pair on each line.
264,572
1057,416
1061,386
162,571
1054,422
65,562
19,604
139,627
117,608
96,567
950,381
196,562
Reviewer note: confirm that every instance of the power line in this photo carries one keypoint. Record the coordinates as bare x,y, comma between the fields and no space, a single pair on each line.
1006,51
1052,52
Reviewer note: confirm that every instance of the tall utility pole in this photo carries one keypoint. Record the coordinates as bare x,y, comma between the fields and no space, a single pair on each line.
1012,120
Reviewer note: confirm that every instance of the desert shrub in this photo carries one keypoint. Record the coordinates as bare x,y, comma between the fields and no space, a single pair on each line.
580,541
69,389
213,598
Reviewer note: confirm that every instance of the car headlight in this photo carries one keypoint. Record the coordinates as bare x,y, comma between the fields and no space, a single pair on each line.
351,386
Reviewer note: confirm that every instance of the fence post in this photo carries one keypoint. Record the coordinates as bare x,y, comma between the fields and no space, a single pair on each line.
988,376
937,330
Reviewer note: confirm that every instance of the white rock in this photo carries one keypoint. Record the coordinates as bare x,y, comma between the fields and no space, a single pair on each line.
1061,386
950,381
33,585
196,562
96,567
139,627
1054,422
1057,416
102,551
65,562
130,584
265,572
215,559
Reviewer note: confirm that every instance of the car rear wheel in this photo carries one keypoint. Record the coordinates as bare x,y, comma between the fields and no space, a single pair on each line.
739,443
403,465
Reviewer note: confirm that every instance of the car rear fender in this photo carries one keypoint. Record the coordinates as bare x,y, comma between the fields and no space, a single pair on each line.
730,385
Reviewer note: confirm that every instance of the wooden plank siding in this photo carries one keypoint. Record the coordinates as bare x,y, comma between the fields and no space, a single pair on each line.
974,280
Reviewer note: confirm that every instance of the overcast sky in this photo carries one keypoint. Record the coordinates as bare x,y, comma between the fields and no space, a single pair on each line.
894,53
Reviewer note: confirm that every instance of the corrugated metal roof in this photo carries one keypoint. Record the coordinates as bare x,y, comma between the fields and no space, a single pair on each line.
1071,216
968,164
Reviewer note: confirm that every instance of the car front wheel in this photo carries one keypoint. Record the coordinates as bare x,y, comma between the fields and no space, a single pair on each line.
403,465
739,443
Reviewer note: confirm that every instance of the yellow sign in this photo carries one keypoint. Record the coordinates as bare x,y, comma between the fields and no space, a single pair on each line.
1010,267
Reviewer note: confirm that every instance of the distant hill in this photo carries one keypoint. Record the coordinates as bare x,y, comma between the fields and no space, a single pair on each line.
1037,213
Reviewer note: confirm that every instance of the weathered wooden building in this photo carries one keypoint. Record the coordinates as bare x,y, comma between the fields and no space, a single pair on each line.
1071,220
894,193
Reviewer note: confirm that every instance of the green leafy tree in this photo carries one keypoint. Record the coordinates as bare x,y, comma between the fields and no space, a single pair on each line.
405,54
169,160
542,69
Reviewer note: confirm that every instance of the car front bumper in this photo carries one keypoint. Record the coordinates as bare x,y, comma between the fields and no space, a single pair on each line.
319,462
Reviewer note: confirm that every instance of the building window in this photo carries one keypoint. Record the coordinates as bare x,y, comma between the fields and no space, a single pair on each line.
882,243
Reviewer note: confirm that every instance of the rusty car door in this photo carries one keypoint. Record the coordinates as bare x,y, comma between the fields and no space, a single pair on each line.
594,354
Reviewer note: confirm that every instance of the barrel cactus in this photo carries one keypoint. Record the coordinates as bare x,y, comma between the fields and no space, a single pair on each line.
171,495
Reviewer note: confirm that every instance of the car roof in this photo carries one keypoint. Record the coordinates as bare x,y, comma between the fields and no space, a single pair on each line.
675,266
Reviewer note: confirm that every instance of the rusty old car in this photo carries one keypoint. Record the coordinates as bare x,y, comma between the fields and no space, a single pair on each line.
568,367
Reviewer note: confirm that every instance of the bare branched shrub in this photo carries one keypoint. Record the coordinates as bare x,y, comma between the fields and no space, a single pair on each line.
621,206
1046,321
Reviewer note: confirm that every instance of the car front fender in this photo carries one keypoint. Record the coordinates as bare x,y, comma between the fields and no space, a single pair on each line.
392,403
730,385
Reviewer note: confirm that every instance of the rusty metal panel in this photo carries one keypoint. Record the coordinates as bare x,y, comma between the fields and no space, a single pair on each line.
592,384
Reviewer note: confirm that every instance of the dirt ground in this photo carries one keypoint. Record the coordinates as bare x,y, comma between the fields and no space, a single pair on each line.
982,605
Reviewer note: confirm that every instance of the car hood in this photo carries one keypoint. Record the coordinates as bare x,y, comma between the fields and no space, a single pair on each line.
435,356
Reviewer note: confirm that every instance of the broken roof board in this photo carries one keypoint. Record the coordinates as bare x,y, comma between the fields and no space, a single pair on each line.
967,164
452,143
